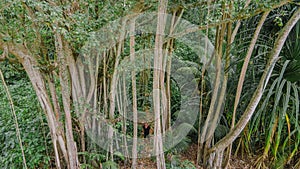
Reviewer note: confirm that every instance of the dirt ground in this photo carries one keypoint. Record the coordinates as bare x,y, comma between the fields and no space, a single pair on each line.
191,155
235,162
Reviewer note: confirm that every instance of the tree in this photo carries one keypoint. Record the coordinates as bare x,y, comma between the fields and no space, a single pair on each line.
45,38
158,68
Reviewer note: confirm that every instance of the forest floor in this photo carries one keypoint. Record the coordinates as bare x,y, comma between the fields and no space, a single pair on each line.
235,162
191,155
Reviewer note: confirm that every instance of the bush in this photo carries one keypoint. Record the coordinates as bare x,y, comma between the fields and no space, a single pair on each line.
32,124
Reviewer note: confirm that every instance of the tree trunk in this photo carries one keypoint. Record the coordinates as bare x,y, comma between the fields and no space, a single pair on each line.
113,83
63,54
134,97
38,83
217,97
158,61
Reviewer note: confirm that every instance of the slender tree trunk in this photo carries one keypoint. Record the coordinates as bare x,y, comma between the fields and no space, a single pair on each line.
113,84
221,81
213,113
158,61
168,87
104,81
167,71
54,96
66,95
134,97
125,115
202,91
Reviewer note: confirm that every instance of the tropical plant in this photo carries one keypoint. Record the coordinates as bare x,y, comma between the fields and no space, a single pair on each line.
273,131
77,55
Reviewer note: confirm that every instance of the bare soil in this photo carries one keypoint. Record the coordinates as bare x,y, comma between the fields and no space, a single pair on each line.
191,155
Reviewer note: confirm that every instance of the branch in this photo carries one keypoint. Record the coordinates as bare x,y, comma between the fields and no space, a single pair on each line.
4,55
18,50
228,20
245,65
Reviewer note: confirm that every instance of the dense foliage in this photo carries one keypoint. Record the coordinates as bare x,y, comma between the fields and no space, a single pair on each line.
31,121
40,42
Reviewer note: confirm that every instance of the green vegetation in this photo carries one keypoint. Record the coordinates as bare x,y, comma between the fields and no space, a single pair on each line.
31,121
83,80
